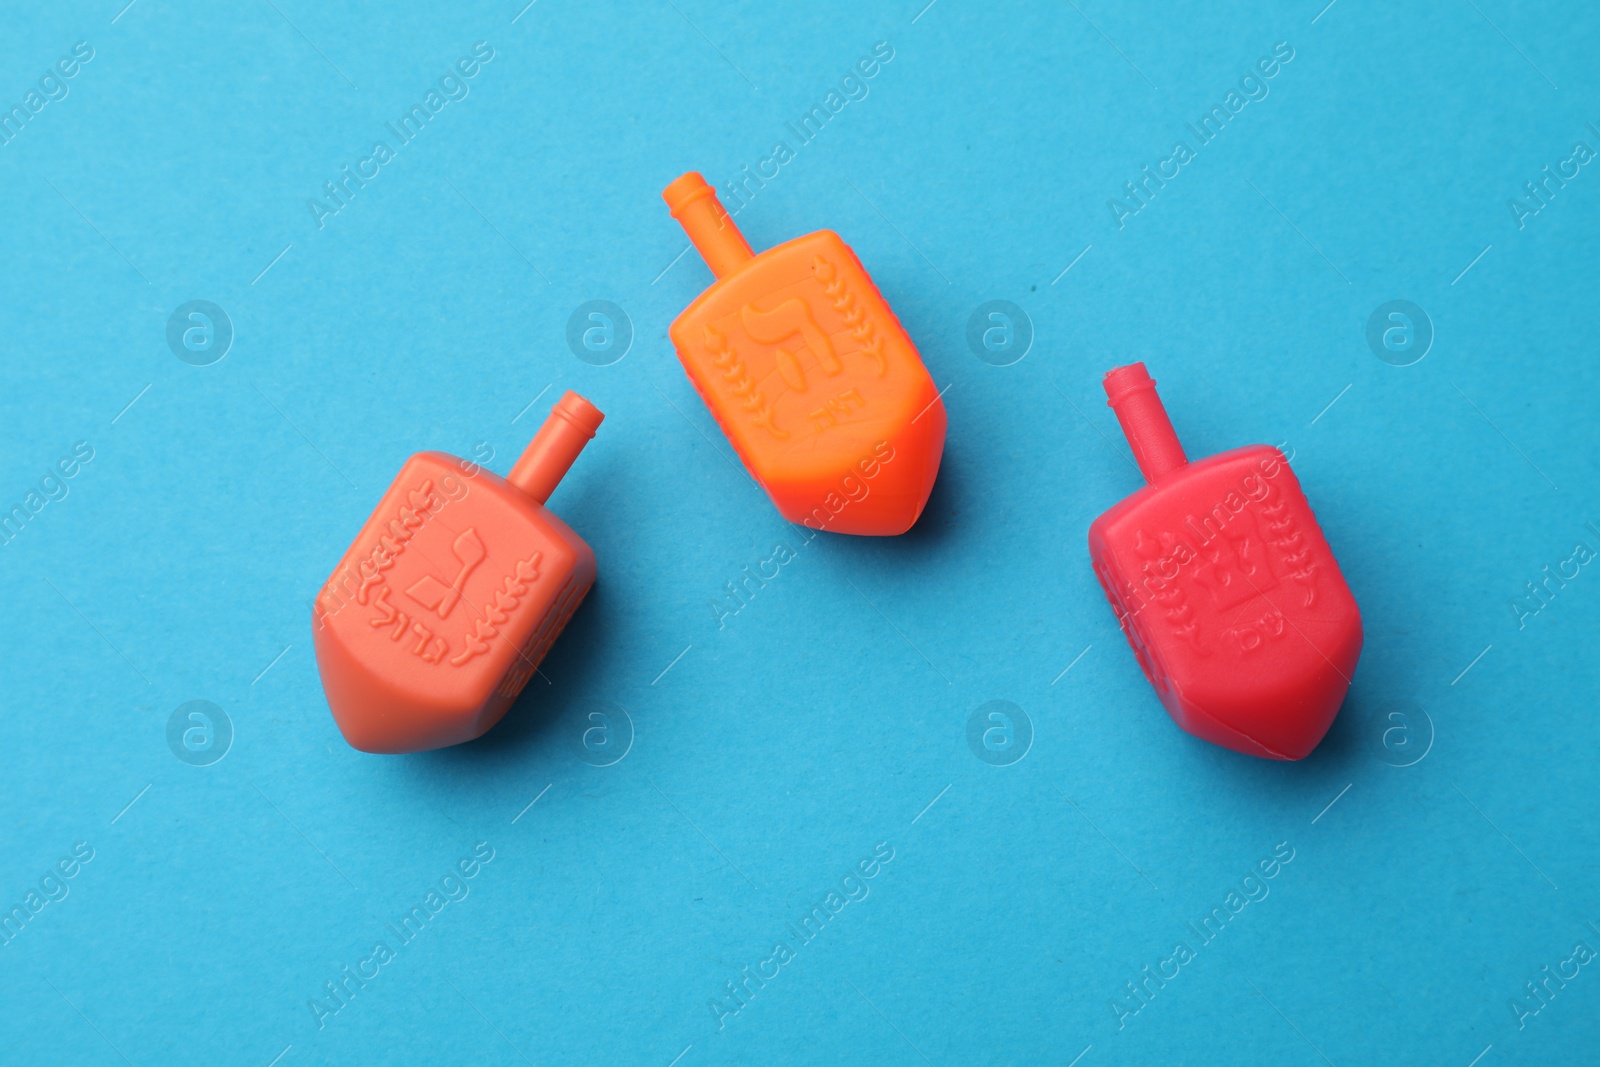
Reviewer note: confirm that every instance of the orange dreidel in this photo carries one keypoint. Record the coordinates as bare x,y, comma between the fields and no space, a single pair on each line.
809,374
452,593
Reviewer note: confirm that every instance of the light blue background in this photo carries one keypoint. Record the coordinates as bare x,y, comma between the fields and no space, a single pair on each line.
825,717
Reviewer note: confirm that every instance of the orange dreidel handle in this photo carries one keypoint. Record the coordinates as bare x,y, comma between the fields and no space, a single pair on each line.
555,447
696,207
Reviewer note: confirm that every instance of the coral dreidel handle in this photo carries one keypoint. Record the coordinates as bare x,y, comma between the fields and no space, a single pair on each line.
551,453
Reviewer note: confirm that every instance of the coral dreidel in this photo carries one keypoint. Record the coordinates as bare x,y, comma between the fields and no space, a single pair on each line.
1225,586
452,593
809,374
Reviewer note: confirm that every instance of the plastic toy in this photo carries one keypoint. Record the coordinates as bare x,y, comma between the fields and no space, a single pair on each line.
452,593
809,373
1226,588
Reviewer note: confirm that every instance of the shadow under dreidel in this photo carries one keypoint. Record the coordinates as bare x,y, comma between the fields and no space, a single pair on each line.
933,532
532,728
939,517
1295,787
1342,746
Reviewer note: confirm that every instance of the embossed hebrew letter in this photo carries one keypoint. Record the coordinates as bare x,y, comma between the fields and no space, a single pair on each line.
433,594
788,319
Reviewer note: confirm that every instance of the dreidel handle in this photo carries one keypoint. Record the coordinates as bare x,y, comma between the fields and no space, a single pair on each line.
1131,393
551,453
696,207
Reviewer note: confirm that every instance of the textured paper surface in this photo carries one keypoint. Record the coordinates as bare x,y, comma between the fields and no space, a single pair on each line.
688,782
